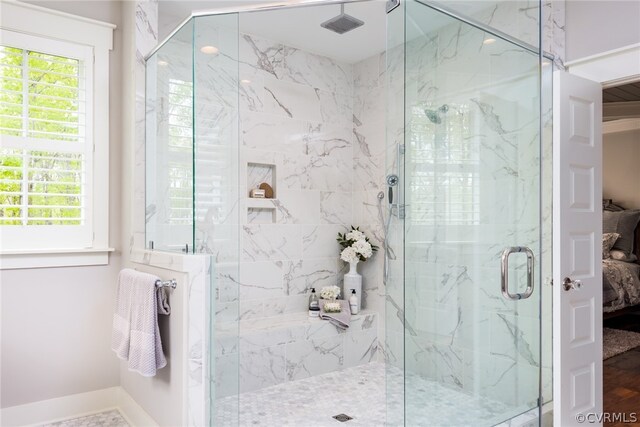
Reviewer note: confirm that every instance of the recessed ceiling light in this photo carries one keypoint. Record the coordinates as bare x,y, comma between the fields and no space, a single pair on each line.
489,40
209,50
162,63
245,81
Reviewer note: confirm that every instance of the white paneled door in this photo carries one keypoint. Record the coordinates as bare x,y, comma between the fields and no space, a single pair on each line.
577,236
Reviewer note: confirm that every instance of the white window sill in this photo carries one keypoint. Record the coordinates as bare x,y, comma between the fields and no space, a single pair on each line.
45,258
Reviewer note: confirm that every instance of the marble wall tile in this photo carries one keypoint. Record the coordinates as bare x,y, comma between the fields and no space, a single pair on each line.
317,71
265,57
319,241
264,242
360,348
260,279
298,207
314,357
226,376
335,207
272,133
302,275
262,368
291,100
323,139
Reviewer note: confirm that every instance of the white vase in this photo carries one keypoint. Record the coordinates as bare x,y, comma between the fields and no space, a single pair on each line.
353,280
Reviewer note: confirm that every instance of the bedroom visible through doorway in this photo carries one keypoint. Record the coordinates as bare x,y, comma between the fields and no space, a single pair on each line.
621,249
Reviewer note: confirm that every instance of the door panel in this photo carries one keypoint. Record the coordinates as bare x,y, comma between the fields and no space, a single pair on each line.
472,189
577,233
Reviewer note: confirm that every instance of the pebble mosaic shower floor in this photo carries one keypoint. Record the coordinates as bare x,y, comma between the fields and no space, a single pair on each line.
359,393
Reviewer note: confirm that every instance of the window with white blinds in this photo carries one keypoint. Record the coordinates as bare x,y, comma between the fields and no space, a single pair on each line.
46,143
444,157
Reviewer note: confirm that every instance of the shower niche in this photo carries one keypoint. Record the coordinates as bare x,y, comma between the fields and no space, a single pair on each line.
261,192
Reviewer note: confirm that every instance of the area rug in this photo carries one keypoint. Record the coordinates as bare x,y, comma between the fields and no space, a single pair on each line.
617,341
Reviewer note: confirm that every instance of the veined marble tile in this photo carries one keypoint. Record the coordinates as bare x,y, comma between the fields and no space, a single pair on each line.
261,279
251,89
360,348
262,368
226,311
368,173
314,357
298,207
272,133
335,107
290,304
319,241
317,71
264,56
443,363
329,173
226,373
251,309
368,72
517,337
263,242
295,101
323,139
335,208
302,275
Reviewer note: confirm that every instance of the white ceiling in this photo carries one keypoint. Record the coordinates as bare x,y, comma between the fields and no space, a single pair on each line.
298,27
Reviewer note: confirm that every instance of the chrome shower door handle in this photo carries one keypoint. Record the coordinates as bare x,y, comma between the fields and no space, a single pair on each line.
504,272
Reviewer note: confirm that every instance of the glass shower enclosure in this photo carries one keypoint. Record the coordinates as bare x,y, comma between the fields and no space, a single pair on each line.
466,239
470,220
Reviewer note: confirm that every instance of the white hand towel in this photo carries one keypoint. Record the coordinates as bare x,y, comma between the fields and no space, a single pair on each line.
136,336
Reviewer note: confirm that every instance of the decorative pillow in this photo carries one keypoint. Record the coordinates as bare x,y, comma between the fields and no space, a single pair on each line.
608,205
608,239
621,256
624,223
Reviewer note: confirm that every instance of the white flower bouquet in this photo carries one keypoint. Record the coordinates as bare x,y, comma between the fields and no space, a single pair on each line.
330,292
356,246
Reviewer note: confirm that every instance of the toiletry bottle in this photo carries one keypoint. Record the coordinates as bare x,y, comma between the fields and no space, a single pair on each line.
314,302
353,302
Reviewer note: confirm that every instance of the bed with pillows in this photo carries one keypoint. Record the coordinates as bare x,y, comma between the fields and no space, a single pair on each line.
620,257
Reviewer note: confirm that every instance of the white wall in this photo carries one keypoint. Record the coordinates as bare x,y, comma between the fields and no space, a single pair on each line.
594,27
621,174
56,322
162,395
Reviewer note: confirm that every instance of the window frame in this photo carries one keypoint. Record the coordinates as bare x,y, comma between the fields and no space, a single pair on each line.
48,31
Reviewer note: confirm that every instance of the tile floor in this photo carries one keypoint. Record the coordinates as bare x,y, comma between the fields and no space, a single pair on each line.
103,419
357,392
360,393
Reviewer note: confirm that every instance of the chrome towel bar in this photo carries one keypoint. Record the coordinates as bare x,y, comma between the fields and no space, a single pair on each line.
166,283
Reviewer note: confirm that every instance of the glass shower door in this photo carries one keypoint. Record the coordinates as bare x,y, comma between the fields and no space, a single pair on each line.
472,223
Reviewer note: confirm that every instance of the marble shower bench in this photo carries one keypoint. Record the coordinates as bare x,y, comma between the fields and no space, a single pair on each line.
290,347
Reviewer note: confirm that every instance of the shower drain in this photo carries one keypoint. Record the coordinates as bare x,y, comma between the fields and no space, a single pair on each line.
342,417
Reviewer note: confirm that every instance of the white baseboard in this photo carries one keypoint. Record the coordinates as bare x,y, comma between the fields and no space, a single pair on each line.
77,405
132,412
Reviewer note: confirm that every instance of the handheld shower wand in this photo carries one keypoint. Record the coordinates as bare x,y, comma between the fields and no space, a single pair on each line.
392,181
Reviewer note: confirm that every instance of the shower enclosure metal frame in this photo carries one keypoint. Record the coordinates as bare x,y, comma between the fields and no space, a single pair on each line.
391,6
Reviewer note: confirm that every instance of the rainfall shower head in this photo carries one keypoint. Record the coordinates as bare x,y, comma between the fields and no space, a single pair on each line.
342,23
435,115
